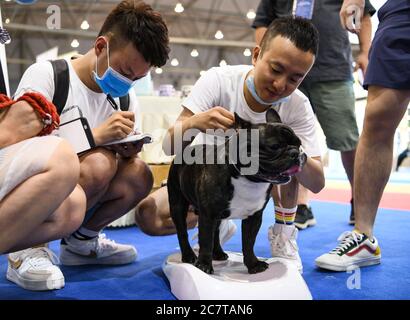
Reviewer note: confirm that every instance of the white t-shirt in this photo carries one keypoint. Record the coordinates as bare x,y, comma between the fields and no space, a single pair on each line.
223,86
94,106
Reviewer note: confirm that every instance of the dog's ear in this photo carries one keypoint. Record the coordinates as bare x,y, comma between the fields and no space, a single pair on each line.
240,123
272,116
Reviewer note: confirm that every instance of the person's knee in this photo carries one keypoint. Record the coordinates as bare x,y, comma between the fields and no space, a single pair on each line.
97,170
63,167
146,215
377,124
139,179
74,213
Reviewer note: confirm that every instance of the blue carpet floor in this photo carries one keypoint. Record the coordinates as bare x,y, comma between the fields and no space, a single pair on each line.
144,279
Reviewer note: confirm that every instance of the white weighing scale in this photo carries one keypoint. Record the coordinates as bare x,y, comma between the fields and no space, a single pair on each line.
231,280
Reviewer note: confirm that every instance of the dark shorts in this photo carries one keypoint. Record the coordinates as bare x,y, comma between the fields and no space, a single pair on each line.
389,57
334,105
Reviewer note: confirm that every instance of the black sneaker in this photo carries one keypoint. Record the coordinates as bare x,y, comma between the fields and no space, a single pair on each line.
352,219
304,217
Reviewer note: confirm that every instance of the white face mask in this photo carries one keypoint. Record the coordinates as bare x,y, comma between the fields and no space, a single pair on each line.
250,83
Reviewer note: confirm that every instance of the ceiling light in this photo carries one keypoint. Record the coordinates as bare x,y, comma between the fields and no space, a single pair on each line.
84,25
7,21
219,35
251,14
194,53
75,43
247,52
158,70
179,8
174,62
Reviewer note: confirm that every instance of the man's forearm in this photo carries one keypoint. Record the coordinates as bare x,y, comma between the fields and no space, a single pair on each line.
365,34
312,177
173,142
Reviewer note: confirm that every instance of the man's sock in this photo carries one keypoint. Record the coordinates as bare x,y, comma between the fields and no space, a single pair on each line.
85,234
285,216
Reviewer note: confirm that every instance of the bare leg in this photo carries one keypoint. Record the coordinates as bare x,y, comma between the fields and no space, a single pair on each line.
289,193
303,195
131,183
348,158
275,193
24,210
153,216
97,169
373,164
64,221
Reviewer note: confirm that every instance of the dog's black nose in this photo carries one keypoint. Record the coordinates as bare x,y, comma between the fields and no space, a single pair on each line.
294,153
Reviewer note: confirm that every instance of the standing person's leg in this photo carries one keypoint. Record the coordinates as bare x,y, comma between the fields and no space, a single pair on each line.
401,158
384,111
334,105
348,159
373,164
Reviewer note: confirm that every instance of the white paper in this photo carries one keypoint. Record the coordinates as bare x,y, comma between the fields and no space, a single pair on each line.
147,138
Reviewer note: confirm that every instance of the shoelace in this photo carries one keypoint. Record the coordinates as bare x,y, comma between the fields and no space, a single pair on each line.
104,243
41,257
346,239
282,245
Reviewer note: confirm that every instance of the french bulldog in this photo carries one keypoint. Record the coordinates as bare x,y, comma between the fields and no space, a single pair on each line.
222,191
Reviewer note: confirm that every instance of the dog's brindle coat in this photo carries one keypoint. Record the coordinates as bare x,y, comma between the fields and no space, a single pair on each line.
219,191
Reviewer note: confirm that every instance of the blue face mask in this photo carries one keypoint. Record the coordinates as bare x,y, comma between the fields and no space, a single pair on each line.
112,82
250,83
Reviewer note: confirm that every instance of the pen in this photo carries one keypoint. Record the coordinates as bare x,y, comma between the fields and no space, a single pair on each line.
112,102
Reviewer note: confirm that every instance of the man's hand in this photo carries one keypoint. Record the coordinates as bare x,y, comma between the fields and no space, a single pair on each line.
215,118
362,61
127,150
119,125
351,15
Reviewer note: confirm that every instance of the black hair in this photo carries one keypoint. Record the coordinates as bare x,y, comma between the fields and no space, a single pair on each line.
300,31
135,21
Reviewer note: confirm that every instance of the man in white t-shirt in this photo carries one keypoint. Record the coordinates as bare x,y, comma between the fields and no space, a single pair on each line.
114,180
286,54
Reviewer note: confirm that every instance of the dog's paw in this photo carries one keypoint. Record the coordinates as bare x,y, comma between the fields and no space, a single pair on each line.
189,258
207,268
219,256
260,266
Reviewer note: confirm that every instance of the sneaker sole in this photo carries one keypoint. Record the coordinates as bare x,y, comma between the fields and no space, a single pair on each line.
70,259
303,226
34,285
362,263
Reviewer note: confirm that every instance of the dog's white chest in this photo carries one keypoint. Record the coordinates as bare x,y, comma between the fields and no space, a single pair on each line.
248,197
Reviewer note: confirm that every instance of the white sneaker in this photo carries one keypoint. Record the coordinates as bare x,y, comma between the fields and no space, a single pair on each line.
99,250
226,231
283,244
35,269
354,250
